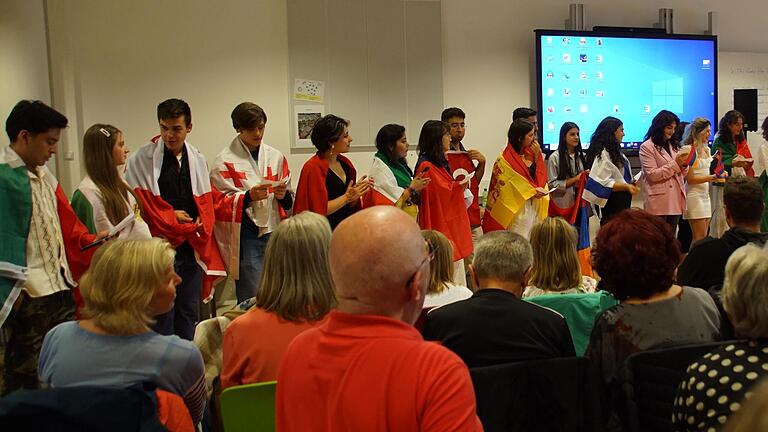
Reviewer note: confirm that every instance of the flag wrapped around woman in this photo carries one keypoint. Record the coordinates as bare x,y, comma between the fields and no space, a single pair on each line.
578,216
517,197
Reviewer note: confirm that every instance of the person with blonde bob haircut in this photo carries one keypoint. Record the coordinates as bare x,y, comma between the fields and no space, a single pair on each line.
128,283
441,289
718,382
295,294
556,281
556,267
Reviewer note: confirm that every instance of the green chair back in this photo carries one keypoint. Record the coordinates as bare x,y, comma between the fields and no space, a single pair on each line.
249,407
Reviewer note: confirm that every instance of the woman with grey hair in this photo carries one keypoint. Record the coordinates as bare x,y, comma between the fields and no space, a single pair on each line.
717,384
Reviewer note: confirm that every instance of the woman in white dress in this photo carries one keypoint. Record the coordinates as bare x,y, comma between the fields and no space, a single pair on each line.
698,208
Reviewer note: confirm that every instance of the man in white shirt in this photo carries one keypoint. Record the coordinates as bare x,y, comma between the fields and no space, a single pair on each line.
40,241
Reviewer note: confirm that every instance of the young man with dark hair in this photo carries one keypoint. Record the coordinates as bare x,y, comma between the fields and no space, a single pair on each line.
41,257
170,178
455,117
704,266
254,182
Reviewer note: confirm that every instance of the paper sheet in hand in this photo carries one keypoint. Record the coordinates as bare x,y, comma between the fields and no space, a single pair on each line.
637,176
125,223
273,183
542,190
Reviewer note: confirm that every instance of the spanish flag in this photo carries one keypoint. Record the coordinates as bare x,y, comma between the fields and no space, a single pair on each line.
511,186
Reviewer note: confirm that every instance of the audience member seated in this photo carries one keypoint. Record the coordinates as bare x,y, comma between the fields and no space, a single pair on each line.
441,289
716,384
295,294
753,415
556,268
129,282
366,368
495,326
635,255
705,263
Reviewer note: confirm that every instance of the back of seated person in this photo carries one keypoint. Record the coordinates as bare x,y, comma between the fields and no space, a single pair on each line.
295,294
704,265
556,268
127,284
635,255
441,288
716,384
366,368
495,326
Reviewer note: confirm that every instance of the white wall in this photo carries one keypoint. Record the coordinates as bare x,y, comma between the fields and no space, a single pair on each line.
114,61
23,55
488,48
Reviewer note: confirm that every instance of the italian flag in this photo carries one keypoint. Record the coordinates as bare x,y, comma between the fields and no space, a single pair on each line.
16,213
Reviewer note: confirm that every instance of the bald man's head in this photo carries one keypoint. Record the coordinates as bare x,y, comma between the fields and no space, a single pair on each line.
378,264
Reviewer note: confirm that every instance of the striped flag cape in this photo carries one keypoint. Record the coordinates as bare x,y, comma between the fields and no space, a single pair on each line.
602,176
578,216
142,171
16,213
719,166
385,190
233,174
511,186
692,155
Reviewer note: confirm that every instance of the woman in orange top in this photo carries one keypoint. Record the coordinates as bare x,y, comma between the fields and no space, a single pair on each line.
295,294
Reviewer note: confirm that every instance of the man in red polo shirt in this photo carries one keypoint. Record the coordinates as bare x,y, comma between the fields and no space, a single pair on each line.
367,368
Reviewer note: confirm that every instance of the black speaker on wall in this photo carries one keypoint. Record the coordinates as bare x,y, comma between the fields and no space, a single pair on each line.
745,102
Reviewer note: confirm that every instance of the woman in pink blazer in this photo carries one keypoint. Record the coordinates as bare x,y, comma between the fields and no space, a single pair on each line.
664,169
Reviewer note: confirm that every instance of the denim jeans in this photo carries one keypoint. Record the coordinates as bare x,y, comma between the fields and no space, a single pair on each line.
251,261
181,320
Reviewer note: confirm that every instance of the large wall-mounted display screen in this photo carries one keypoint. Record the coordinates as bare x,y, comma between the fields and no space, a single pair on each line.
585,76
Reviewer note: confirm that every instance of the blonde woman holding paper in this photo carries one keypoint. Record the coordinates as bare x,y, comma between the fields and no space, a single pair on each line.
103,201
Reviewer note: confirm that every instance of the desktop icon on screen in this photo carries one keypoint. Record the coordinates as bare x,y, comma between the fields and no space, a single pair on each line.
550,74
566,75
615,108
599,58
566,109
647,108
550,59
599,75
599,42
583,108
583,41
566,92
549,40
566,58
551,126
599,93
583,75
550,109
583,92
566,41
583,58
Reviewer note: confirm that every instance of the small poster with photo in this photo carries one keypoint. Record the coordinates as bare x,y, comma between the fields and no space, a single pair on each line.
305,118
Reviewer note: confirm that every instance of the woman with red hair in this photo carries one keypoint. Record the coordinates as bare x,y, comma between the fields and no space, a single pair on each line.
636,254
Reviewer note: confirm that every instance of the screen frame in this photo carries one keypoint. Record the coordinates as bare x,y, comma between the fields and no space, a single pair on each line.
628,34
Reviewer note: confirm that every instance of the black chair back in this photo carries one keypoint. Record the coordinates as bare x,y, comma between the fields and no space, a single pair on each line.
547,395
649,381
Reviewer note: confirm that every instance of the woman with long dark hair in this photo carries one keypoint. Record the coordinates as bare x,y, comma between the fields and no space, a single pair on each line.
610,185
518,195
395,182
443,206
566,166
664,169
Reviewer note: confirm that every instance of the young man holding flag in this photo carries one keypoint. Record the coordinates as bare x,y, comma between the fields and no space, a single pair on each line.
254,181
42,257
170,178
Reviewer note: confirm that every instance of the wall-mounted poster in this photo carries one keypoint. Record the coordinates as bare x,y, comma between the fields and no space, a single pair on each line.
306,117
309,90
